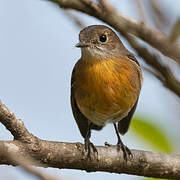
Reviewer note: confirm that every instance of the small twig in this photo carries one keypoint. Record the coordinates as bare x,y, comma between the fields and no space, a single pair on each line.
154,73
141,10
120,22
110,15
159,17
72,155
170,80
92,5
175,32
75,19
157,8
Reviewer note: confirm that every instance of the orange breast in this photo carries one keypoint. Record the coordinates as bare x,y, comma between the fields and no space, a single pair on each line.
106,89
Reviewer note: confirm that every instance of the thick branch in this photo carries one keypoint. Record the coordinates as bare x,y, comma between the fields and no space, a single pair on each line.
73,156
120,22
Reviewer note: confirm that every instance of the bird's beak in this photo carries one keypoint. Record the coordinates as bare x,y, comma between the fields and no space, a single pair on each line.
82,44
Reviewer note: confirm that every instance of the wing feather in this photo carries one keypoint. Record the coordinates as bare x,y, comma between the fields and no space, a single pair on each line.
82,122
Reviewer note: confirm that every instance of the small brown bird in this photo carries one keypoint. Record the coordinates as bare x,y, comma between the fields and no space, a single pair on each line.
105,85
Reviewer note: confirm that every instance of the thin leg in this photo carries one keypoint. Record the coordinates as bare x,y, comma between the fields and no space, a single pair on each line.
126,152
88,143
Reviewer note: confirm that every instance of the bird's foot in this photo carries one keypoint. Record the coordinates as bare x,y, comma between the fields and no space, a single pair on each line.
107,144
126,151
88,146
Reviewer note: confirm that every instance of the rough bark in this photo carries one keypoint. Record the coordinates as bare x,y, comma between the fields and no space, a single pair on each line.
73,156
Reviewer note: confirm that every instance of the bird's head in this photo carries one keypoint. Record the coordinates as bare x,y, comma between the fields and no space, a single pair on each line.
100,43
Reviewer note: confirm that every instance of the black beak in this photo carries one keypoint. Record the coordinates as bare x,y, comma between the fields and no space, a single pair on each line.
82,44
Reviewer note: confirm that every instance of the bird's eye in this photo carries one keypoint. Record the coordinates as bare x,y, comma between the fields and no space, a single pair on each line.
103,38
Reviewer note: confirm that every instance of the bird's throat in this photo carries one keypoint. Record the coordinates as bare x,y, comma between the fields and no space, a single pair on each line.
94,53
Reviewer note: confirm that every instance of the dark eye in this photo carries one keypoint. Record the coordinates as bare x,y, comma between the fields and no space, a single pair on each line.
103,38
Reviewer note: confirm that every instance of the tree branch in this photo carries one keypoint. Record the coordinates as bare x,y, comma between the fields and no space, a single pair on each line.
159,17
175,32
75,19
25,165
73,156
120,22
167,77
141,10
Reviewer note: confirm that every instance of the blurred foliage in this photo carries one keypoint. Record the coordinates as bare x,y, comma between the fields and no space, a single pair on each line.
155,179
153,134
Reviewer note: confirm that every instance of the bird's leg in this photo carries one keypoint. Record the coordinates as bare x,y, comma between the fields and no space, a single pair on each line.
126,152
107,144
88,143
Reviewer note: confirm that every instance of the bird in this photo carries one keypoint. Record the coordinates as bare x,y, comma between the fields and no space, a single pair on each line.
105,85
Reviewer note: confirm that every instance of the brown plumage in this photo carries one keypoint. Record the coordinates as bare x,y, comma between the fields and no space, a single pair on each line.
105,84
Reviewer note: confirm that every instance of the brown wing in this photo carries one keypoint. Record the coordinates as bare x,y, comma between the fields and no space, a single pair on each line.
132,57
81,120
123,124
